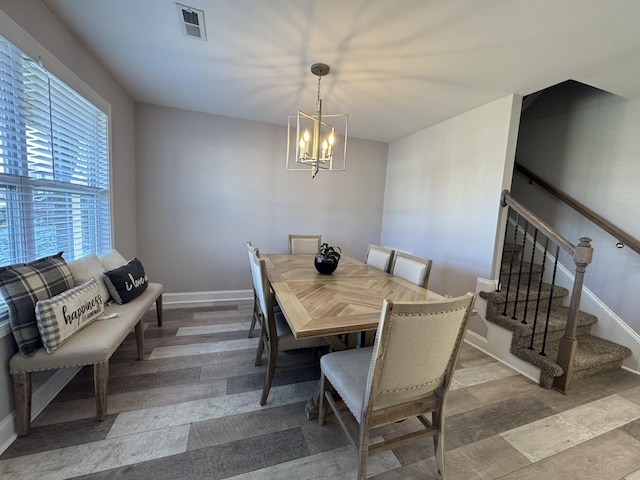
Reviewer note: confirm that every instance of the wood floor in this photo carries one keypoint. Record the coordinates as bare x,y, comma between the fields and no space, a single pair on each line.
190,411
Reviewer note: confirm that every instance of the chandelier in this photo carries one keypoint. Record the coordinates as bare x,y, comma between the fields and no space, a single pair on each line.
320,140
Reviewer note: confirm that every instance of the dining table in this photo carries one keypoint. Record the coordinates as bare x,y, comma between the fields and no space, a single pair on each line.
344,306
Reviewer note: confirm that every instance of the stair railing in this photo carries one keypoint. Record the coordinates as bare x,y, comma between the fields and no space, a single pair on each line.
530,228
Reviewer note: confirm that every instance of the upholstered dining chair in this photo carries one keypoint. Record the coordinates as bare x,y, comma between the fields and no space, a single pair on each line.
276,336
405,374
414,269
304,243
379,257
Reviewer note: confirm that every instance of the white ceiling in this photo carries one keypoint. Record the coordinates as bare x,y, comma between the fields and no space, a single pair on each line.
397,66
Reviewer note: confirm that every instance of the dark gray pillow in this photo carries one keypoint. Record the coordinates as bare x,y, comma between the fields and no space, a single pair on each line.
126,282
22,285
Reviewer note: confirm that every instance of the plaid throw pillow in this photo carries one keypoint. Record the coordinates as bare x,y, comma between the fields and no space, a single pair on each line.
65,314
22,285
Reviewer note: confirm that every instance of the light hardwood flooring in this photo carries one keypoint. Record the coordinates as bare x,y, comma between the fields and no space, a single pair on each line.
190,411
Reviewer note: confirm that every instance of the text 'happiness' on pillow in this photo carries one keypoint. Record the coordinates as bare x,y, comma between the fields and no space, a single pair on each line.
60,317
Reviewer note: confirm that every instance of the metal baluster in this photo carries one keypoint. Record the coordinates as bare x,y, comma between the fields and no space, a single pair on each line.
553,284
513,252
533,253
535,318
504,244
524,245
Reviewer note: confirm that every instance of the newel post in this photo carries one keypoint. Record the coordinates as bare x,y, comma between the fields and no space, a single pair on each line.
582,256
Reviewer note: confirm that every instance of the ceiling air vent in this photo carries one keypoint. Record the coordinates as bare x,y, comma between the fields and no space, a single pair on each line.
192,22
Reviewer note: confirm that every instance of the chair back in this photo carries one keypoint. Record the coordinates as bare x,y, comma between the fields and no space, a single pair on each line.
304,243
415,350
413,269
379,257
258,274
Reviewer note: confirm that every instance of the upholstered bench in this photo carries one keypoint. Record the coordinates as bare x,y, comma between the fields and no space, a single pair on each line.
73,314
93,345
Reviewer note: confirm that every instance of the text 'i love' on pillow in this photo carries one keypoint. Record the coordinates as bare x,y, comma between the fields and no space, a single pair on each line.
60,317
126,282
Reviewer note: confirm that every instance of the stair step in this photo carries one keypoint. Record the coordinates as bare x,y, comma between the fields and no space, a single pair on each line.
594,352
594,355
496,300
557,321
528,269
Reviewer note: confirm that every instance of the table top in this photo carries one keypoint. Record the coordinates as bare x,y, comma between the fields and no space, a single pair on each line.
349,300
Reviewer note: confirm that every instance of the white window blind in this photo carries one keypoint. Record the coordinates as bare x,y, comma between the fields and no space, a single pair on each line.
54,166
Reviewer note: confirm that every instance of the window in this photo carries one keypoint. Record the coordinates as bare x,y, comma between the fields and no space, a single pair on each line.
54,166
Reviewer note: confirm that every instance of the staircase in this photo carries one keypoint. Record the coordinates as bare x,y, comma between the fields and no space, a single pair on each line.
523,305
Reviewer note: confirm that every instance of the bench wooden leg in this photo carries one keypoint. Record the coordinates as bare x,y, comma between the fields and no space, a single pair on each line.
159,310
100,384
22,401
140,339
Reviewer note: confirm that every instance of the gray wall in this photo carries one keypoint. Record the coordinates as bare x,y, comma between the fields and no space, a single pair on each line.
207,184
442,193
39,23
585,142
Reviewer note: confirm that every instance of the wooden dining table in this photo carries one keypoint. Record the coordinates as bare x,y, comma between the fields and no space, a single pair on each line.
338,306
347,301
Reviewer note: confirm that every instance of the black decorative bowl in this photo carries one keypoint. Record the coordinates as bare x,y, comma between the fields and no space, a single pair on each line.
325,265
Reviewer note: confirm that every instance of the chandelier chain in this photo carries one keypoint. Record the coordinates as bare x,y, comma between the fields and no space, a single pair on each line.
319,78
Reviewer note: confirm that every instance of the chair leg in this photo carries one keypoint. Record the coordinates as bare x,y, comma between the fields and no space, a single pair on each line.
22,401
260,351
322,412
256,314
272,356
437,420
363,452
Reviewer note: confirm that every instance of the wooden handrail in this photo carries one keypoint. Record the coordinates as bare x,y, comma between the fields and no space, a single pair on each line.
532,218
622,236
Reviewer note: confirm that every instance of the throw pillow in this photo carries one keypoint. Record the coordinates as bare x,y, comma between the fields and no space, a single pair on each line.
22,285
112,260
126,282
60,317
87,267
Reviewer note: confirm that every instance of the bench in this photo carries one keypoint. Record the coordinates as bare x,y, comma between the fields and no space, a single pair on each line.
93,345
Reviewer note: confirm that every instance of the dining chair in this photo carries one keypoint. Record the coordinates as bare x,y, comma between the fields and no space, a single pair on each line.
275,336
405,374
304,243
379,257
414,269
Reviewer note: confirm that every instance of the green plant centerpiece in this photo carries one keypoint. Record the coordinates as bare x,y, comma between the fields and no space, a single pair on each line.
326,260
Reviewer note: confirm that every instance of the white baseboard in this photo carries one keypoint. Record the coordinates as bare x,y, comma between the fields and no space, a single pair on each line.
183,299
7,432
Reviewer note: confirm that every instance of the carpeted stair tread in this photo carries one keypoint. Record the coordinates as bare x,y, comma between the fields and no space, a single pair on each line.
557,320
499,297
594,351
534,269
